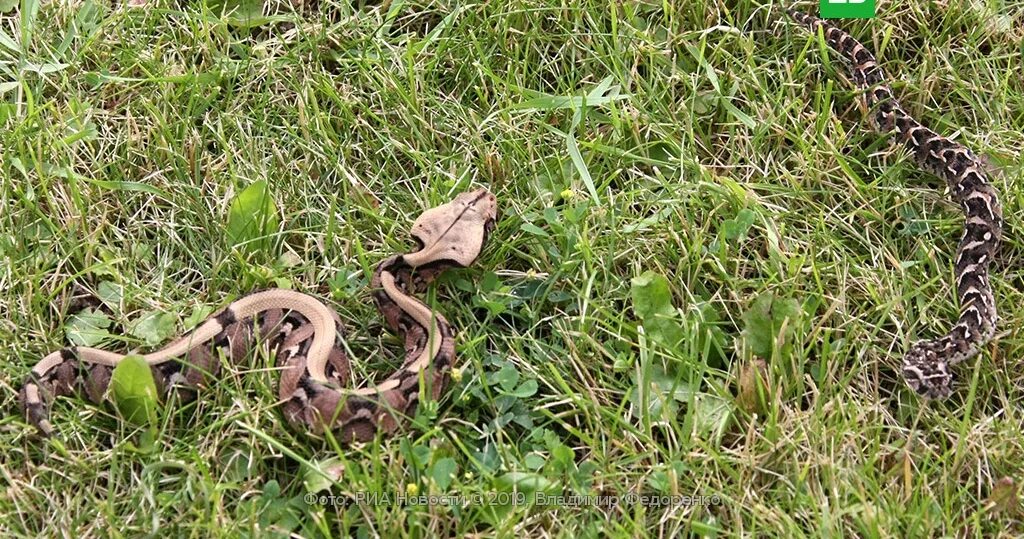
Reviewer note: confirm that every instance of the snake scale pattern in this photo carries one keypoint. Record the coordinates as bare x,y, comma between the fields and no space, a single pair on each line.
926,365
307,336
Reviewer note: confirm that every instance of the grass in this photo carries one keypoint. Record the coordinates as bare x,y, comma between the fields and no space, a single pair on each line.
698,169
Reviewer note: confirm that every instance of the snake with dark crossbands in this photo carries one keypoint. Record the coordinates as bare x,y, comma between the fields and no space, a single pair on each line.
926,365
307,336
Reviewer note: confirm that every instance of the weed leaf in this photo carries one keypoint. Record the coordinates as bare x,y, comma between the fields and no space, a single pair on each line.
87,328
769,321
154,327
134,391
652,302
252,218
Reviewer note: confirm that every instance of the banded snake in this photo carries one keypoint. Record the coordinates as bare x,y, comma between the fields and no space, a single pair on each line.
307,337
926,365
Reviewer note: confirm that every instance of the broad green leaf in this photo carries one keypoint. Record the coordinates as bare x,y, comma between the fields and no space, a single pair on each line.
516,490
154,327
44,69
664,394
507,377
663,479
662,391
6,6
241,13
770,320
134,391
526,389
652,302
86,131
913,224
110,293
89,17
199,315
321,474
494,308
347,282
442,472
147,441
276,512
533,461
530,484
87,328
651,295
252,218
20,167
562,455
737,227
489,282
288,259
711,415
8,111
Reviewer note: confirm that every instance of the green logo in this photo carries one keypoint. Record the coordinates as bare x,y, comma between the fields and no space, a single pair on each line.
846,9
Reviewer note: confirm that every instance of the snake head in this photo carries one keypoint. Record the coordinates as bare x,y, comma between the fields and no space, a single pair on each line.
455,232
926,373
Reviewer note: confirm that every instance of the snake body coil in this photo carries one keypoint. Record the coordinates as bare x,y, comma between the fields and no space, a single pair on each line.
926,364
307,337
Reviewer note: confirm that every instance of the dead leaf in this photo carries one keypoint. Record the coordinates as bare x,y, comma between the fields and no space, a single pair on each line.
1003,497
752,390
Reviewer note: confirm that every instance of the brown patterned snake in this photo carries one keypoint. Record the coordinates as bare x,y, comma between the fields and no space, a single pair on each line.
926,366
306,335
